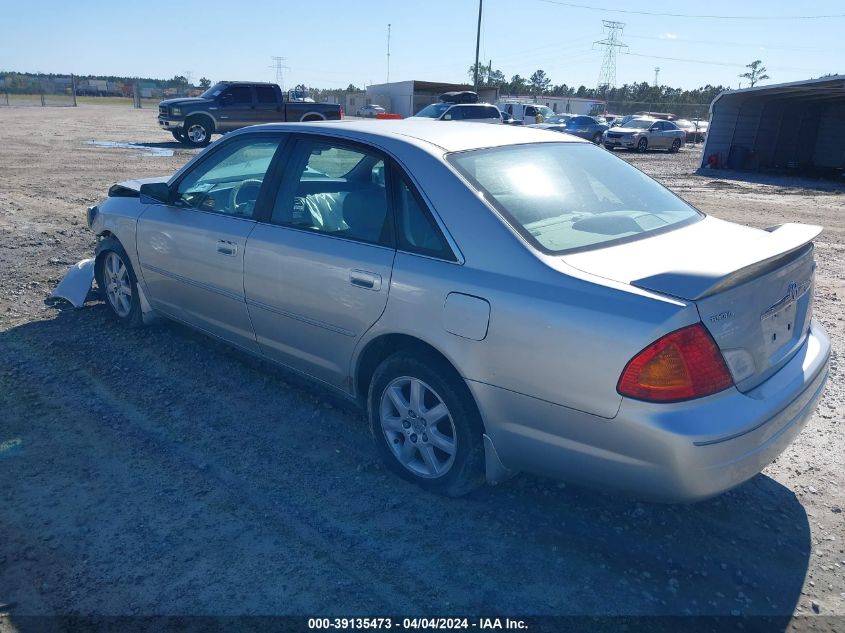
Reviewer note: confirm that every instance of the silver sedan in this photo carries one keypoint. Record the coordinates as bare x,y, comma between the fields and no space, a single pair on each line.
642,134
496,298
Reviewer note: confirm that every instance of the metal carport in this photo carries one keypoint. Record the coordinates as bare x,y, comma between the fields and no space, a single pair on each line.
796,126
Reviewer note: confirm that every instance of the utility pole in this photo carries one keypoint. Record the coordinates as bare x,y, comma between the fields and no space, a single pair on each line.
279,65
656,73
611,44
388,53
477,43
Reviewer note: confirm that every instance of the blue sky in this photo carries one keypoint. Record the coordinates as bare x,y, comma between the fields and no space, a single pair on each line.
329,43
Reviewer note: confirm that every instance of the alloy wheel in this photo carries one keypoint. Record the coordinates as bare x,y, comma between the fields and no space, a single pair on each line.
197,133
118,284
418,427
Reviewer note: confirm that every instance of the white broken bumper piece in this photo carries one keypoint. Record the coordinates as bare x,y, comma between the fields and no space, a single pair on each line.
77,283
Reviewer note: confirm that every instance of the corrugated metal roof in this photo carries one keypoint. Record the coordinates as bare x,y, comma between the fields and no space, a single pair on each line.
835,83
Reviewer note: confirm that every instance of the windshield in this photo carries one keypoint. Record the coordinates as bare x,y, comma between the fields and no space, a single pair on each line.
640,123
212,92
546,112
434,111
568,196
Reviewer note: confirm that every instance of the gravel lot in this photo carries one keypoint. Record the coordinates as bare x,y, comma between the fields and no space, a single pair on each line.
155,471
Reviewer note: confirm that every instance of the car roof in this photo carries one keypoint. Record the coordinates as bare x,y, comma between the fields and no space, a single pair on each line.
448,136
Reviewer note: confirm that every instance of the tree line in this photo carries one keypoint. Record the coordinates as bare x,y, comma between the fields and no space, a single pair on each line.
539,84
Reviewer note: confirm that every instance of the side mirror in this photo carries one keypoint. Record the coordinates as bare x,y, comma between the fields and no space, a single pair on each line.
155,193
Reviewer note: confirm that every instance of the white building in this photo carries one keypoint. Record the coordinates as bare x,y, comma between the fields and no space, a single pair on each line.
406,98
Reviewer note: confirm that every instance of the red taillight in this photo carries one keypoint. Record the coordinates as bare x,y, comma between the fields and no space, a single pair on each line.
682,365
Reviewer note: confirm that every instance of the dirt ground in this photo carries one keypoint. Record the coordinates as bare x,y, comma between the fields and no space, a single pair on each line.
155,471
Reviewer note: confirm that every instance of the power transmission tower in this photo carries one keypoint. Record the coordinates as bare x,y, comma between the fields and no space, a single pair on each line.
656,74
279,66
611,44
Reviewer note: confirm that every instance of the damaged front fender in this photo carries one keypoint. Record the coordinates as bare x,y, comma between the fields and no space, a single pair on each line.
76,283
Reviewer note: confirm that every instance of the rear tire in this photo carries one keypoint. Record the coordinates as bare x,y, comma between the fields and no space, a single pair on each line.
117,281
425,424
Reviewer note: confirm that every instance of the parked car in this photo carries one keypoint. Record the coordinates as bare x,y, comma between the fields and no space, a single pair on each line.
230,105
371,110
694,131
702,126
528,113
497,299
645,134
445,111
586,127
557,119
665,116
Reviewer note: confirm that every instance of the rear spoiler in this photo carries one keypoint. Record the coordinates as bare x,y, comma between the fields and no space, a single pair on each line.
787,242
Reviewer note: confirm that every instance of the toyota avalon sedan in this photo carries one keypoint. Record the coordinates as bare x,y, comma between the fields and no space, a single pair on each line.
497,298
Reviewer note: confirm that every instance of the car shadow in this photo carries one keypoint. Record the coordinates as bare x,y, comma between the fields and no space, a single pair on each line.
832,183
156,471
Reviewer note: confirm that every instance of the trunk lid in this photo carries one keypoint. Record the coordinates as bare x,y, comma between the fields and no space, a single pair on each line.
753,288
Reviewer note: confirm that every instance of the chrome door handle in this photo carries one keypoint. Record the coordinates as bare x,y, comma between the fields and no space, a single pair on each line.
365,279
225,247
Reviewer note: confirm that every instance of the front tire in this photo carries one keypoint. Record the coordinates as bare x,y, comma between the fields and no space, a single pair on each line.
198,132
425,424
179,135
642,146
676,146
118,283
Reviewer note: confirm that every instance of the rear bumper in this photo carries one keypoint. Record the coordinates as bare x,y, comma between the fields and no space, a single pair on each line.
677,452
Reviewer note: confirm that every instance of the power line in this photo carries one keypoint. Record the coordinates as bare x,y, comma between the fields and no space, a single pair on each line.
611,44
693,16
279,66
711,63
680,40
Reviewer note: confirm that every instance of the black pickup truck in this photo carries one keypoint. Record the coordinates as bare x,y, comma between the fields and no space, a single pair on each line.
230,105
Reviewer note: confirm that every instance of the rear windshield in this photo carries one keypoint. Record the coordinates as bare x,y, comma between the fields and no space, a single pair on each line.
571,196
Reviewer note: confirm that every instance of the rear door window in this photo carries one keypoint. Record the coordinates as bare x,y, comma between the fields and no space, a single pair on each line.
416,230
265,94
337,190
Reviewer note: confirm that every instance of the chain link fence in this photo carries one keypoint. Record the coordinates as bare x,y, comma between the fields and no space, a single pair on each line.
682,110
37,90
27,89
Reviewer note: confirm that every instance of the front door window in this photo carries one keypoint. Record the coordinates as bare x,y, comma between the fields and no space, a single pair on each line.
230,180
